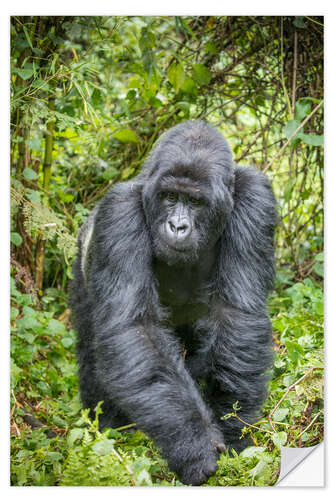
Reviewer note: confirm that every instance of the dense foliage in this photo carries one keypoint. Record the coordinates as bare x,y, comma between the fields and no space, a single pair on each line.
89,97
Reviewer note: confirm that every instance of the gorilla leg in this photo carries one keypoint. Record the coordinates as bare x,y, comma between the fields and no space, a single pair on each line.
141,368
238,352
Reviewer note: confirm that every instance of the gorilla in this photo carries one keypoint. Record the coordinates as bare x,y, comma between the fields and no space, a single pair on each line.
169,299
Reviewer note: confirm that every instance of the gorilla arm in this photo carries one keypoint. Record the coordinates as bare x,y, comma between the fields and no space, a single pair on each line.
139,362
238,331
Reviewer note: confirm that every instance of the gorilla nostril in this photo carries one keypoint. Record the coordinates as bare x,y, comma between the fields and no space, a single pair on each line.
172,226
182,228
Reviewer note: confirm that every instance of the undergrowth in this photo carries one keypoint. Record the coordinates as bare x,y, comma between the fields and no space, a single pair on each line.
53,441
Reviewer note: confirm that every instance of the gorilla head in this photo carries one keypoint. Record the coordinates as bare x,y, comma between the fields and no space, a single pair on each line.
187,195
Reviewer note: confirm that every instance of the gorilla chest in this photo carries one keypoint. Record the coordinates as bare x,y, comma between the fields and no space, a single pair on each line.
182,291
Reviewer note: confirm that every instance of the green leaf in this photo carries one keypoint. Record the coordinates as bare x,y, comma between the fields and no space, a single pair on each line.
40,84
302,108
16,239
55,327
28,322
305,437
54,456
290,128
299,23
34,143
211,47
288,380
43,387
176,76
319,269
27,37
104,447
189,87
126,135
13,313
279,438
143,478
311,139
318,307
67,341
24,73
134,83
280,414
29,338
131,95
74,435
30,174
65,197
147,39
295,351
127,172
33,195
261,468
29,311
201,74
279,363
109,173
252,451
59,422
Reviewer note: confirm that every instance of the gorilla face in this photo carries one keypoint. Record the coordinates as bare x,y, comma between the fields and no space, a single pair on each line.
180,229
185,224
188,192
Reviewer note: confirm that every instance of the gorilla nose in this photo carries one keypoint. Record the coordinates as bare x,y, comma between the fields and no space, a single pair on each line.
178,228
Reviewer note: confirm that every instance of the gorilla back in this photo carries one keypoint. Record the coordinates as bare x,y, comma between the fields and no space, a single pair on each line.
169,299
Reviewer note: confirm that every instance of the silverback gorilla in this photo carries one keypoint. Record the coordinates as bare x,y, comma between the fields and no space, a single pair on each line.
169,299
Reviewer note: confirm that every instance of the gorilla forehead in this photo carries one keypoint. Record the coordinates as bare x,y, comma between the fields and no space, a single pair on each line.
194,150
185,183
195,134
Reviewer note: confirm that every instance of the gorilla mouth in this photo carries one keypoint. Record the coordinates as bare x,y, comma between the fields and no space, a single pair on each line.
176,248
168,250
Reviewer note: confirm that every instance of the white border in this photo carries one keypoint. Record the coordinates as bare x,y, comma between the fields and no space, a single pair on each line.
136,7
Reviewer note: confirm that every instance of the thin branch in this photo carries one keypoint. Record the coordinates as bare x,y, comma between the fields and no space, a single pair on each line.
310,424
306,119
124,427
282,72
293,97
249,425
290,388
314,21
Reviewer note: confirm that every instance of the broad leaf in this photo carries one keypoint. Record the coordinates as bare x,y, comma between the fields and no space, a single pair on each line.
126,135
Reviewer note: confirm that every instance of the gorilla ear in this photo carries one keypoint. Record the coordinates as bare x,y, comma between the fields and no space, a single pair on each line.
246,266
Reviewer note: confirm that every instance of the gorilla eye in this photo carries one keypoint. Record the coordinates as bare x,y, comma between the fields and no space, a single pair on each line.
171,196
194,201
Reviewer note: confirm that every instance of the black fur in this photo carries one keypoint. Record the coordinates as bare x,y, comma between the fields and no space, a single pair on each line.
173,330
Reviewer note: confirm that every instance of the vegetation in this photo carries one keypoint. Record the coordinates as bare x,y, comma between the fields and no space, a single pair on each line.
89,97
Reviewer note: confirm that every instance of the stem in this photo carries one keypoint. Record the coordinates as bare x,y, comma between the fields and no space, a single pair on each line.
290,388
310,424
282,72
294,75
48,149
249,425
40,246
124,427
